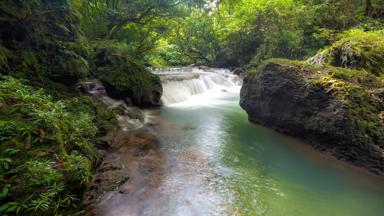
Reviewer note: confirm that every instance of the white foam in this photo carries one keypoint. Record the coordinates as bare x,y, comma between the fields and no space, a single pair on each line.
207,87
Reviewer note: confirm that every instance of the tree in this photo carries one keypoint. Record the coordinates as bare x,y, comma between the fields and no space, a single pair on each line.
115,14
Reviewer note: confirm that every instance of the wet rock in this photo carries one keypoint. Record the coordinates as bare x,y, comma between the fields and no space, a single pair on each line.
131,168
334,114
128,111
109,175
124,78
239,72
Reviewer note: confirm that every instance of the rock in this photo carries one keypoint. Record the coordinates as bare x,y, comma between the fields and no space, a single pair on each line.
123,78
129,111
68,68
109,176
239,72
318,104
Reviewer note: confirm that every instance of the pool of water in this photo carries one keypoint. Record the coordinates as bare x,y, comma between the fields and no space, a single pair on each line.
217,163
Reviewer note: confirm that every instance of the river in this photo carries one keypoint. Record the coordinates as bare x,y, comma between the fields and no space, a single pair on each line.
217,163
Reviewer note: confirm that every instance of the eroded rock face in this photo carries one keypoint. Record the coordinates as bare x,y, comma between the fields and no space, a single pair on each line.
292,100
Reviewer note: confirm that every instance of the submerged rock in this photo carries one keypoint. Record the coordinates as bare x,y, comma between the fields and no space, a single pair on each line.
336,109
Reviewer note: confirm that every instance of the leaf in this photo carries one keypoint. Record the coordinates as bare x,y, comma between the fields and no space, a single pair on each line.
4,207
4,191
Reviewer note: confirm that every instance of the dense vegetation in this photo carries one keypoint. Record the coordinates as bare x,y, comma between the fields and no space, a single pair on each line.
46,148
48,128
225,33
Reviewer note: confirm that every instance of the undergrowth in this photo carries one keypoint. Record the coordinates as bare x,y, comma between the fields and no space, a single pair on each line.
47,151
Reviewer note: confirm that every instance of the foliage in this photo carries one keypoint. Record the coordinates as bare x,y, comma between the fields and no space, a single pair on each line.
46,135
47,151
235,33
105,19
37,40
222,33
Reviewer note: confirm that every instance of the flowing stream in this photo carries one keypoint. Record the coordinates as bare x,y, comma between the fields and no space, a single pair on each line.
217,163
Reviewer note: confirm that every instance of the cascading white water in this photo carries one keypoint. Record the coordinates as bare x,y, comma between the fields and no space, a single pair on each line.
180,84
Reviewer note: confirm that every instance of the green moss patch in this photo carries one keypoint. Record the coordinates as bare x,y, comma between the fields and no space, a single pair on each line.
125,78
355,50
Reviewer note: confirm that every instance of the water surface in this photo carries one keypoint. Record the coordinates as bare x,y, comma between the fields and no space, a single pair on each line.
220,164
212,161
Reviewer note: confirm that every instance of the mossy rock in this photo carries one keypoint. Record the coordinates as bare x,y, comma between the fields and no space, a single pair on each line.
336,109
68,68
126,79
355,50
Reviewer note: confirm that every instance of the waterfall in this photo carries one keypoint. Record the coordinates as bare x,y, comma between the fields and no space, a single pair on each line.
180,84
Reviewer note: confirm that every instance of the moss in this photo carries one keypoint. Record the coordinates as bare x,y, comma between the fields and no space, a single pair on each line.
353,88
126,78
355,50
363,110
360,77
300,65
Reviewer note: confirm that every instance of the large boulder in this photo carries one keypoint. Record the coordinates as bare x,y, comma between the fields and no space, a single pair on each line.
125,79
338,110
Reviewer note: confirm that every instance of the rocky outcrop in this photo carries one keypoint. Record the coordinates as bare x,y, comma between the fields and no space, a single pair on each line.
336,109
125,79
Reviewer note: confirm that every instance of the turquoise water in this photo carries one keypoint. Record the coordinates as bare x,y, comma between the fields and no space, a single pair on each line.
220,164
